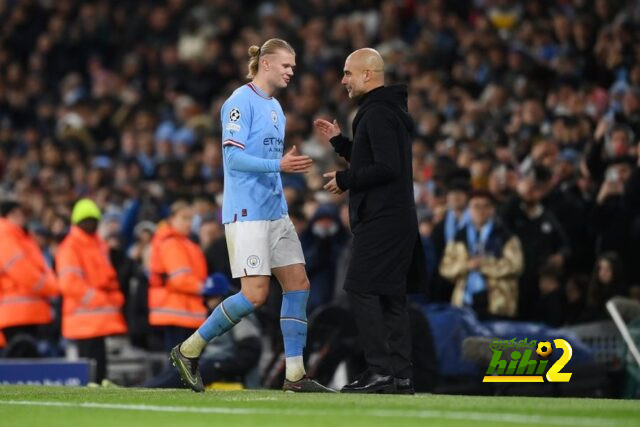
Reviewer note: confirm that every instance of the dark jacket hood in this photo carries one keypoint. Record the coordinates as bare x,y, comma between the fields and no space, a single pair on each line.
394,96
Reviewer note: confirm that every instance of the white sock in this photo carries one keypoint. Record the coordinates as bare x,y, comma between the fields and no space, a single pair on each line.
193,346
295,368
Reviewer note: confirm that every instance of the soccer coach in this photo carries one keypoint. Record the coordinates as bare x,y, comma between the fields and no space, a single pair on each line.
387,251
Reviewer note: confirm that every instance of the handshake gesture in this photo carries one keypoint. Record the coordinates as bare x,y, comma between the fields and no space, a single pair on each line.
293,162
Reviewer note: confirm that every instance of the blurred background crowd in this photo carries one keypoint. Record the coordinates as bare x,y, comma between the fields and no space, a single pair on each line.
532,107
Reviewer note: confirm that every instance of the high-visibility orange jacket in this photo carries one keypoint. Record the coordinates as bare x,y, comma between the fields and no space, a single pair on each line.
92,300
177,273
26,281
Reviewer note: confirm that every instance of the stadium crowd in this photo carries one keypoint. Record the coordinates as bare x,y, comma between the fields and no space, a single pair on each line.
527,115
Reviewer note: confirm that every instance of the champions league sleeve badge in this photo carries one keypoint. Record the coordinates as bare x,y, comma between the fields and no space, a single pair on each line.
234,116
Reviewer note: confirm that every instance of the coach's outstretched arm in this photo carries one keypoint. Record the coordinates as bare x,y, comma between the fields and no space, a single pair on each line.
331,133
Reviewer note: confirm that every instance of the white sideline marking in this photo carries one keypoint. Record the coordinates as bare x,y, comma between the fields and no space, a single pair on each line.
508,417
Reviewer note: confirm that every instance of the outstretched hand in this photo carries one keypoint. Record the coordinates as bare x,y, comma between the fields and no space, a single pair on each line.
327,130
332,185
292,162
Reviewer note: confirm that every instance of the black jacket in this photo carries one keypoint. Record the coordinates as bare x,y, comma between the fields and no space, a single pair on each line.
379,177
541,237
387,251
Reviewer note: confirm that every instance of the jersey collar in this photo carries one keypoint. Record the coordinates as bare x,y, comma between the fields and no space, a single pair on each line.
258,91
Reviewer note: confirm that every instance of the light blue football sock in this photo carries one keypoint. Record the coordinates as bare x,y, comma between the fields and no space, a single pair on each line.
293,322
228,313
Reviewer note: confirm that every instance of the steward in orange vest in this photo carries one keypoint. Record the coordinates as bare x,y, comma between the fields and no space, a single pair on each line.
26,281
178,270
92,300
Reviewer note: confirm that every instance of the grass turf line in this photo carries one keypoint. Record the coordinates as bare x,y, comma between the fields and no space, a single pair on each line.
71,406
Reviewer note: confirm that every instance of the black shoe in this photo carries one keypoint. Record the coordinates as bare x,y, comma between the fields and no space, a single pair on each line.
404,386
370,382
187,368
305,385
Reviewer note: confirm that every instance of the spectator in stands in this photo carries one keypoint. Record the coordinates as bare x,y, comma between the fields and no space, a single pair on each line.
576,291
484,261
542,238
611,141
322,243
217,257
92,300
608,280
26,280
131,276
177,274
455,219
615,213
549,306
140,250
210,230
570,204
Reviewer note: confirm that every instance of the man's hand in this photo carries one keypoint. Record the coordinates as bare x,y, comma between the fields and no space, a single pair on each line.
609,188
474,263
292,162
327,130
332,185
603,127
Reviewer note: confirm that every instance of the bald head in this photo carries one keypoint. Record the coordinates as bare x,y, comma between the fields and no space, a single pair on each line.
368,59
363,72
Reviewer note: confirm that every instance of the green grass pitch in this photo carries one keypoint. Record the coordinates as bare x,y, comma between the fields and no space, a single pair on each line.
94,407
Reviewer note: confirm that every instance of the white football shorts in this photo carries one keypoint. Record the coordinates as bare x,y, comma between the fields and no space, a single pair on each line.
255,247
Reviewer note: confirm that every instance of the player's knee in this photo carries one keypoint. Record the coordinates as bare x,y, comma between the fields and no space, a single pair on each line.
259,299
304,284
257,296
301,284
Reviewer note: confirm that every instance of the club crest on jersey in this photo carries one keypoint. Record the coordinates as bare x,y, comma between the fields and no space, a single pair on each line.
253,261
234,115
274,117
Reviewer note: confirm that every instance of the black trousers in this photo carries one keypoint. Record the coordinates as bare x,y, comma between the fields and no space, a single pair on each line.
30,330
22,341
384,332
94,348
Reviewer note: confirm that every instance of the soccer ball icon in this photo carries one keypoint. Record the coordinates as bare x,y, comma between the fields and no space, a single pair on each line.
544,349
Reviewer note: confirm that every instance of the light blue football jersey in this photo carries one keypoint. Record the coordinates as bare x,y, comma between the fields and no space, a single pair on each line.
255,123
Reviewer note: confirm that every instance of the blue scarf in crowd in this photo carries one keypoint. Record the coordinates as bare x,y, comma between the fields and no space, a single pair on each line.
476,246
452,226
